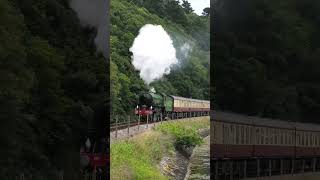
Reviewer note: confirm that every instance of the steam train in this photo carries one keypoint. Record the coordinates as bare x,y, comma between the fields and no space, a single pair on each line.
155,104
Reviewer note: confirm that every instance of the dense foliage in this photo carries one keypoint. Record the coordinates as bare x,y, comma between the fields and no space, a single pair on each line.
52,84
186,132
140,156
266,58
189,78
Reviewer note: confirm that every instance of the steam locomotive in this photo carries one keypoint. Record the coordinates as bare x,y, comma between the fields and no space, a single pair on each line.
154,104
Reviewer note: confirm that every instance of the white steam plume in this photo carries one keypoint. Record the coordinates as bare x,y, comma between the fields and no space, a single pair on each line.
153,52
93,13
185,50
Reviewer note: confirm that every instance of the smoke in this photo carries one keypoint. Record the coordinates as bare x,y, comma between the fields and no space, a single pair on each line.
153,52
185,50
93,13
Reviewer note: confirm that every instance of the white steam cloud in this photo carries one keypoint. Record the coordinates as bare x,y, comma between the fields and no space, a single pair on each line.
185,50
94,14
153,52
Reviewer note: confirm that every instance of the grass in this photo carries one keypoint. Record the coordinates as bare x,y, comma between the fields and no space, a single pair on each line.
140,156
185,132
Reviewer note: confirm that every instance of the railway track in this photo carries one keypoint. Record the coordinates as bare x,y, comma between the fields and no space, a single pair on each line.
126,129
136,121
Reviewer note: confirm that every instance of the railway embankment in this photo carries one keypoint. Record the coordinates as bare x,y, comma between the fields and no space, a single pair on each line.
160,153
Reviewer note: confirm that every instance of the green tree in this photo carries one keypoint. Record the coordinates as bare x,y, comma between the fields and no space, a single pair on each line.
187,6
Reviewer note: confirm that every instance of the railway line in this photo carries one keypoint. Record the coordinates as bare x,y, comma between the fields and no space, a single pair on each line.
123,122
132,125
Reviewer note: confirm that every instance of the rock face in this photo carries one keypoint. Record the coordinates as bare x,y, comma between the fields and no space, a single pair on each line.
175,166
189,162
199,166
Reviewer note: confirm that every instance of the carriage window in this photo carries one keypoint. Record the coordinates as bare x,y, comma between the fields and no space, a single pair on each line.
310,139
232,134
272,136
225,133
267,135
293,138
247,135
257,137
276,136
213,132
302,137
262,136
285,137
289,138
237,134
242,135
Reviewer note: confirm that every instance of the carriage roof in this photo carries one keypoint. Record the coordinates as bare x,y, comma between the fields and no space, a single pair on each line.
260,121
189,99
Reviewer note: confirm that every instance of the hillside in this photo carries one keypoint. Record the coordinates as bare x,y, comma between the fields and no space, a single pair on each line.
188,78
53,83
266,58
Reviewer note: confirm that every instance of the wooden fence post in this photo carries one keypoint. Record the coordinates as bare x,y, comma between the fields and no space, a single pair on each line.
138,122
147,121
116,127
129,126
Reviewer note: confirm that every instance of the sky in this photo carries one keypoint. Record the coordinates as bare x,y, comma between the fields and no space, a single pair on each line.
199,5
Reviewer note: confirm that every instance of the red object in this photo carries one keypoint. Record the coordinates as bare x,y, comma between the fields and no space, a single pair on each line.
96,160
143,112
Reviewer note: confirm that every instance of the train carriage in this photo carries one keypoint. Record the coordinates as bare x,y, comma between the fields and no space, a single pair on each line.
238,136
